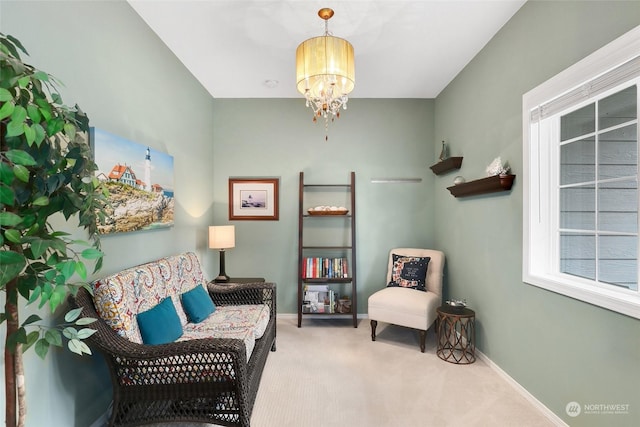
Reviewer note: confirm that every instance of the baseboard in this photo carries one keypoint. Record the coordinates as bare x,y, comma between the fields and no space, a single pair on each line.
294,316
556,420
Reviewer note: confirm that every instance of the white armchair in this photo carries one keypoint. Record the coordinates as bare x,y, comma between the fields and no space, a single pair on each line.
405,306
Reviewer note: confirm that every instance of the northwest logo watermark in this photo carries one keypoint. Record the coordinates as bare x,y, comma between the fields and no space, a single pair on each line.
573,409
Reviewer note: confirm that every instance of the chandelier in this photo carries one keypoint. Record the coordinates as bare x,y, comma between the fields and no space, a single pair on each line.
325,72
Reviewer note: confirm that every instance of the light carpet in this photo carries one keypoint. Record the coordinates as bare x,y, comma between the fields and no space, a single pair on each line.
329,374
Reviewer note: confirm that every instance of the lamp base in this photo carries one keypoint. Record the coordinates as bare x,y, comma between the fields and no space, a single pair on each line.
222,275
222,279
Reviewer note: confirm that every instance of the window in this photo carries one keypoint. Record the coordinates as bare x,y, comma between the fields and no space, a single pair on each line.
580,133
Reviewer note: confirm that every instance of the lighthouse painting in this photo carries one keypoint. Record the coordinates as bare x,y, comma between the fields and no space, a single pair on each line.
140,183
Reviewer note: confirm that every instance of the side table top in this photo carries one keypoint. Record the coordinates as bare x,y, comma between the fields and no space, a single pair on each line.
452,311
236,280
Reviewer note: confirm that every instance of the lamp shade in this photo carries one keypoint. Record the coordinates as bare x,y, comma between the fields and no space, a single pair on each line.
322,62
222,236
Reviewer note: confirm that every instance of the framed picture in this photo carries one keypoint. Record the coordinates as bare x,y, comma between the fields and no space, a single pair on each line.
253,199
139,180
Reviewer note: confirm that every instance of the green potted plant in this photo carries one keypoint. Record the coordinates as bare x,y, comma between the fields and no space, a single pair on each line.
46,169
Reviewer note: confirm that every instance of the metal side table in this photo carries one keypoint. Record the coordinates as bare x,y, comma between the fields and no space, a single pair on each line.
456,334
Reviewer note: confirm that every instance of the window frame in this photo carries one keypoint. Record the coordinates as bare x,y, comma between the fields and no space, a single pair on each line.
539,267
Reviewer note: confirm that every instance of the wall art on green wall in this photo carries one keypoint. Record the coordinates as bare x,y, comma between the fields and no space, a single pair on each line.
253,199
140,183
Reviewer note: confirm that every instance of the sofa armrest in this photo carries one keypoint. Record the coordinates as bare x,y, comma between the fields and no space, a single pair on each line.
244,293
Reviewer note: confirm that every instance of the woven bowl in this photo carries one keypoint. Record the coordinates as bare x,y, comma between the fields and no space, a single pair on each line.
320,213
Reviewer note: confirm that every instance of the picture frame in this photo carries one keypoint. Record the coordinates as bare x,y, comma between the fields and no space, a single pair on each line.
140,180
253,199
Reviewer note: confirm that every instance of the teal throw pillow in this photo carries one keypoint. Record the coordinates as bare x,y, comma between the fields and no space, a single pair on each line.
197,304
161,324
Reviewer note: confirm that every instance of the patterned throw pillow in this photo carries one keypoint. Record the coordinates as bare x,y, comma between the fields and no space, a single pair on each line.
409,272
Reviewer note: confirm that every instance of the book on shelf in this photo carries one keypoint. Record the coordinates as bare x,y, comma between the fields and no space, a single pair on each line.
319,299
322,267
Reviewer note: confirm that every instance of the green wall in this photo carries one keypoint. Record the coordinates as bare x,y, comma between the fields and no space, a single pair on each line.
116,69
373,138
560,349
129,84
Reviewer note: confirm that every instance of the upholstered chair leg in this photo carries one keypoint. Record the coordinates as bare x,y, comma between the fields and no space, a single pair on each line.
374,324
423,337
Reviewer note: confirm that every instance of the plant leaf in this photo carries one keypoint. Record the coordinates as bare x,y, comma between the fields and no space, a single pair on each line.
92,253
57,297
19,114
78,347
21,173
70,333
68,268
39,246
5,95
40,133
34,113
31,319
41,201
85,333
41,75
35,294
7,195
11,264
29,134
72,315
20,157
42,348
32,338
9,219
53,337
13,235
81,270
6,173
15,128
70,130
85,321
7,109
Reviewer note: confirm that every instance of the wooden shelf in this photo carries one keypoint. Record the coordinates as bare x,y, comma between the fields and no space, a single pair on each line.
490,184
340,284
327,279
447,165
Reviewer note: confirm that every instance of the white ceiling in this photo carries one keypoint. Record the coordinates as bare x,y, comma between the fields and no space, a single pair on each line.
403,49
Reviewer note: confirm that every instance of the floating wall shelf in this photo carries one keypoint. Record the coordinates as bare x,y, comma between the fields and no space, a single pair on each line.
447,165
490,184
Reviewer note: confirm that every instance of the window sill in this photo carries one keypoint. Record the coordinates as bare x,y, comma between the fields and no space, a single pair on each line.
627,303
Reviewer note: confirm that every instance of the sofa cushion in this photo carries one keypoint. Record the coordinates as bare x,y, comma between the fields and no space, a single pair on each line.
197,304
255,317
246,322
120,297
203,330
409,272
161,324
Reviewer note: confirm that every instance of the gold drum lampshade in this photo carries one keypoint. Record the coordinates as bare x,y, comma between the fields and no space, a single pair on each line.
323,61
325,72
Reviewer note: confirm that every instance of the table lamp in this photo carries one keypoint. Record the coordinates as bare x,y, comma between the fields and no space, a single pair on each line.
222,237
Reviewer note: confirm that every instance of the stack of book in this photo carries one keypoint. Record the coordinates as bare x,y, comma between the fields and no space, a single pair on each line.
319,299
320,267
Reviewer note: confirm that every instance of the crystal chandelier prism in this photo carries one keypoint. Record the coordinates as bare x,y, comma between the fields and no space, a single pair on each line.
325,72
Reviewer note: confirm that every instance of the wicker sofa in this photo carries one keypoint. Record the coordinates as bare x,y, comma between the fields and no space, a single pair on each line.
211,374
